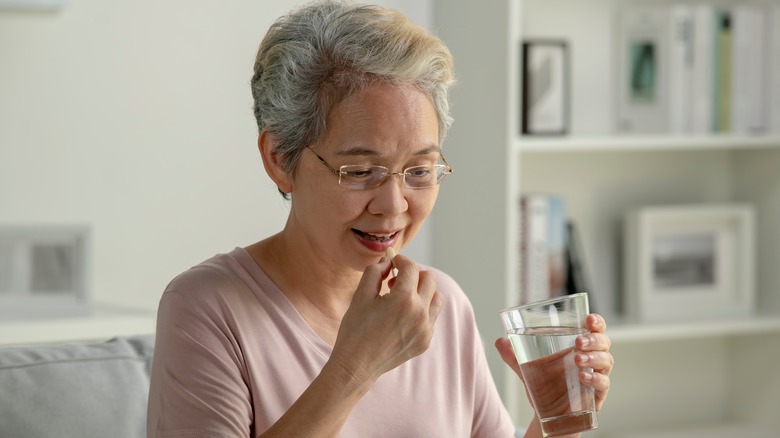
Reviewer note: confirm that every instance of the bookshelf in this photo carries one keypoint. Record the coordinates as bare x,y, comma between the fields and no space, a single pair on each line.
674,379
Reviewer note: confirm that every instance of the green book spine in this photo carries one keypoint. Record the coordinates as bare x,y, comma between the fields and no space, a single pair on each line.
723,73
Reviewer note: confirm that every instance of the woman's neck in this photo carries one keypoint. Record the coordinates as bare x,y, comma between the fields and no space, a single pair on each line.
319,291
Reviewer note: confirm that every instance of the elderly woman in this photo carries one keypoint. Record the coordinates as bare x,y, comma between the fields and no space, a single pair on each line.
309,332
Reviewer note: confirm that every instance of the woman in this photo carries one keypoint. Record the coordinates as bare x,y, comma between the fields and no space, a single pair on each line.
308,333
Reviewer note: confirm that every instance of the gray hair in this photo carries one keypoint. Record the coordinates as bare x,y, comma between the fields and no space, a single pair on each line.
319,54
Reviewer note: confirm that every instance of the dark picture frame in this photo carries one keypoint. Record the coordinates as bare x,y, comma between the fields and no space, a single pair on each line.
545,87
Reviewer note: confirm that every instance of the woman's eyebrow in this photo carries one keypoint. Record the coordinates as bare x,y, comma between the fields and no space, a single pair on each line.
363,151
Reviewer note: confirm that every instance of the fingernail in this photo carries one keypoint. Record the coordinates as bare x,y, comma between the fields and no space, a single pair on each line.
584,358
584,340
382,259
588,377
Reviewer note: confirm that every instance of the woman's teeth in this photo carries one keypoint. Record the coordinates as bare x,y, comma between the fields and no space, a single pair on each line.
377,237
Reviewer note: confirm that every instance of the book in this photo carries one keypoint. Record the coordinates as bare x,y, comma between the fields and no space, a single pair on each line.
577,279
722,69
543,268
773,69
642,36
748,42
681,59
703,69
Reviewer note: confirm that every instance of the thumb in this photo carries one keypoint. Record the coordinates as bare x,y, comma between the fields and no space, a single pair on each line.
371,281
504,348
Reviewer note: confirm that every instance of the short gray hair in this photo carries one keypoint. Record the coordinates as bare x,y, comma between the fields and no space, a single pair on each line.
317,55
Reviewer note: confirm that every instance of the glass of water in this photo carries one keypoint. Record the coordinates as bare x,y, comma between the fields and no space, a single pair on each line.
542,336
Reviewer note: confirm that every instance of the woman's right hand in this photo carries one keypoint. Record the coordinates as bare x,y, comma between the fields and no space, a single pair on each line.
378,333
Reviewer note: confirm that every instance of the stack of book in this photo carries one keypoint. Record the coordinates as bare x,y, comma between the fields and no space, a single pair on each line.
551,261
698,68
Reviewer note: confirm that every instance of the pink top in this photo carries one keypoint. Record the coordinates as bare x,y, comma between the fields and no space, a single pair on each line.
232,354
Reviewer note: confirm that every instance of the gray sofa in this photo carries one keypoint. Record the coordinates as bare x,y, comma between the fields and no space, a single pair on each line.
80,390
76,390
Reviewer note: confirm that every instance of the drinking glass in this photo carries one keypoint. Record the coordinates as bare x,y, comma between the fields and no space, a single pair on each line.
542,336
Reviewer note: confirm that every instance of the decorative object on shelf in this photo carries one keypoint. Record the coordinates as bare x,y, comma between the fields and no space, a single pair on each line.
689,262
545,101
543,267
642,35
43,271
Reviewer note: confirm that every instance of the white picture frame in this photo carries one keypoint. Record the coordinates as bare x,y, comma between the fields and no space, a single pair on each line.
689,262
44,271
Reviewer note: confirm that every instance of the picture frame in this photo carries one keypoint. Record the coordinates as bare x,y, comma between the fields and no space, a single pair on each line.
545,87
44,271
641,56
689,262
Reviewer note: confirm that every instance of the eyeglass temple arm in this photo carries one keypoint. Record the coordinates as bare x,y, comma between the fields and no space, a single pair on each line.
445,161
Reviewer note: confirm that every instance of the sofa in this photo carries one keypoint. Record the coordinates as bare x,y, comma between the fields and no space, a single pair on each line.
79,390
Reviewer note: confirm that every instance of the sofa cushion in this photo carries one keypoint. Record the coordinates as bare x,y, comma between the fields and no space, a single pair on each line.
76,390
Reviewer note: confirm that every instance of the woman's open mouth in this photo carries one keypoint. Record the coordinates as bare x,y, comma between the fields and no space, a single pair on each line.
375,237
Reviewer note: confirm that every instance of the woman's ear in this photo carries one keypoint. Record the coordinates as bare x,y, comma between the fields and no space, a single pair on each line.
266,143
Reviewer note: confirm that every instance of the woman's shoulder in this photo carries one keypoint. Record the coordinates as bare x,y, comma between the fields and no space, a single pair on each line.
450,289
219,275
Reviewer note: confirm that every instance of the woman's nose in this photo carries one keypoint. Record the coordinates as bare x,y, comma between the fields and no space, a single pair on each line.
390,197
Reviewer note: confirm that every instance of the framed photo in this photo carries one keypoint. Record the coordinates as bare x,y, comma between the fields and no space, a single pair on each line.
44,271
641,44
545,90
690,262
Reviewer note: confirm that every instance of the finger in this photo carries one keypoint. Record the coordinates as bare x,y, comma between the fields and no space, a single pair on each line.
371,281
426,286
408,273
601,362
437,303
596,323
600,384
593,342
504,348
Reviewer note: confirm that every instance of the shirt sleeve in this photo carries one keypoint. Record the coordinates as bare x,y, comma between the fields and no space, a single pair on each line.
198,383
491,418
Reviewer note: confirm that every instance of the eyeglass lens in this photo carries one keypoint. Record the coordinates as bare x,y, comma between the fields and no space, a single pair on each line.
365,177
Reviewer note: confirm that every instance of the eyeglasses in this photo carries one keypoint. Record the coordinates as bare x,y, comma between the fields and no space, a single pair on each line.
361,177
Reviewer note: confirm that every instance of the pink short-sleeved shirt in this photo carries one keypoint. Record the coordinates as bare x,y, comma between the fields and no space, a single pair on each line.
232,354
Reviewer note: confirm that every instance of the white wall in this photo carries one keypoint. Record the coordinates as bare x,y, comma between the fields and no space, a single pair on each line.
134,116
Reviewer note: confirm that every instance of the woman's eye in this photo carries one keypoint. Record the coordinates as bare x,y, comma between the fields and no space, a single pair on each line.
419,172
365,172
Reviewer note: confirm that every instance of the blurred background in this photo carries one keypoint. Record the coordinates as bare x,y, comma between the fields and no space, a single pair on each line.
134,118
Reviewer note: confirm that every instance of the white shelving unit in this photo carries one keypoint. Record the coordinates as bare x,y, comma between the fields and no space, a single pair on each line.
703,378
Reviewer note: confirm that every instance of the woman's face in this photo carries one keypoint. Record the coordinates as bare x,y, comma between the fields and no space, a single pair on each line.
395,127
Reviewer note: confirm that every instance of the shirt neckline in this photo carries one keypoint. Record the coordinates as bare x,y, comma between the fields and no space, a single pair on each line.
297,322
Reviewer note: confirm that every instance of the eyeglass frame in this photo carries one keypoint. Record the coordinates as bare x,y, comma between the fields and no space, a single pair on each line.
339,172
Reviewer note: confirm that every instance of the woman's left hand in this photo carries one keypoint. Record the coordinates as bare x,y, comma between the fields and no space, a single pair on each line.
593,352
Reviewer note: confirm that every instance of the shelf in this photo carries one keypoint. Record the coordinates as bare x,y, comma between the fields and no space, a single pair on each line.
626,143
713,431
624,332
105,323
